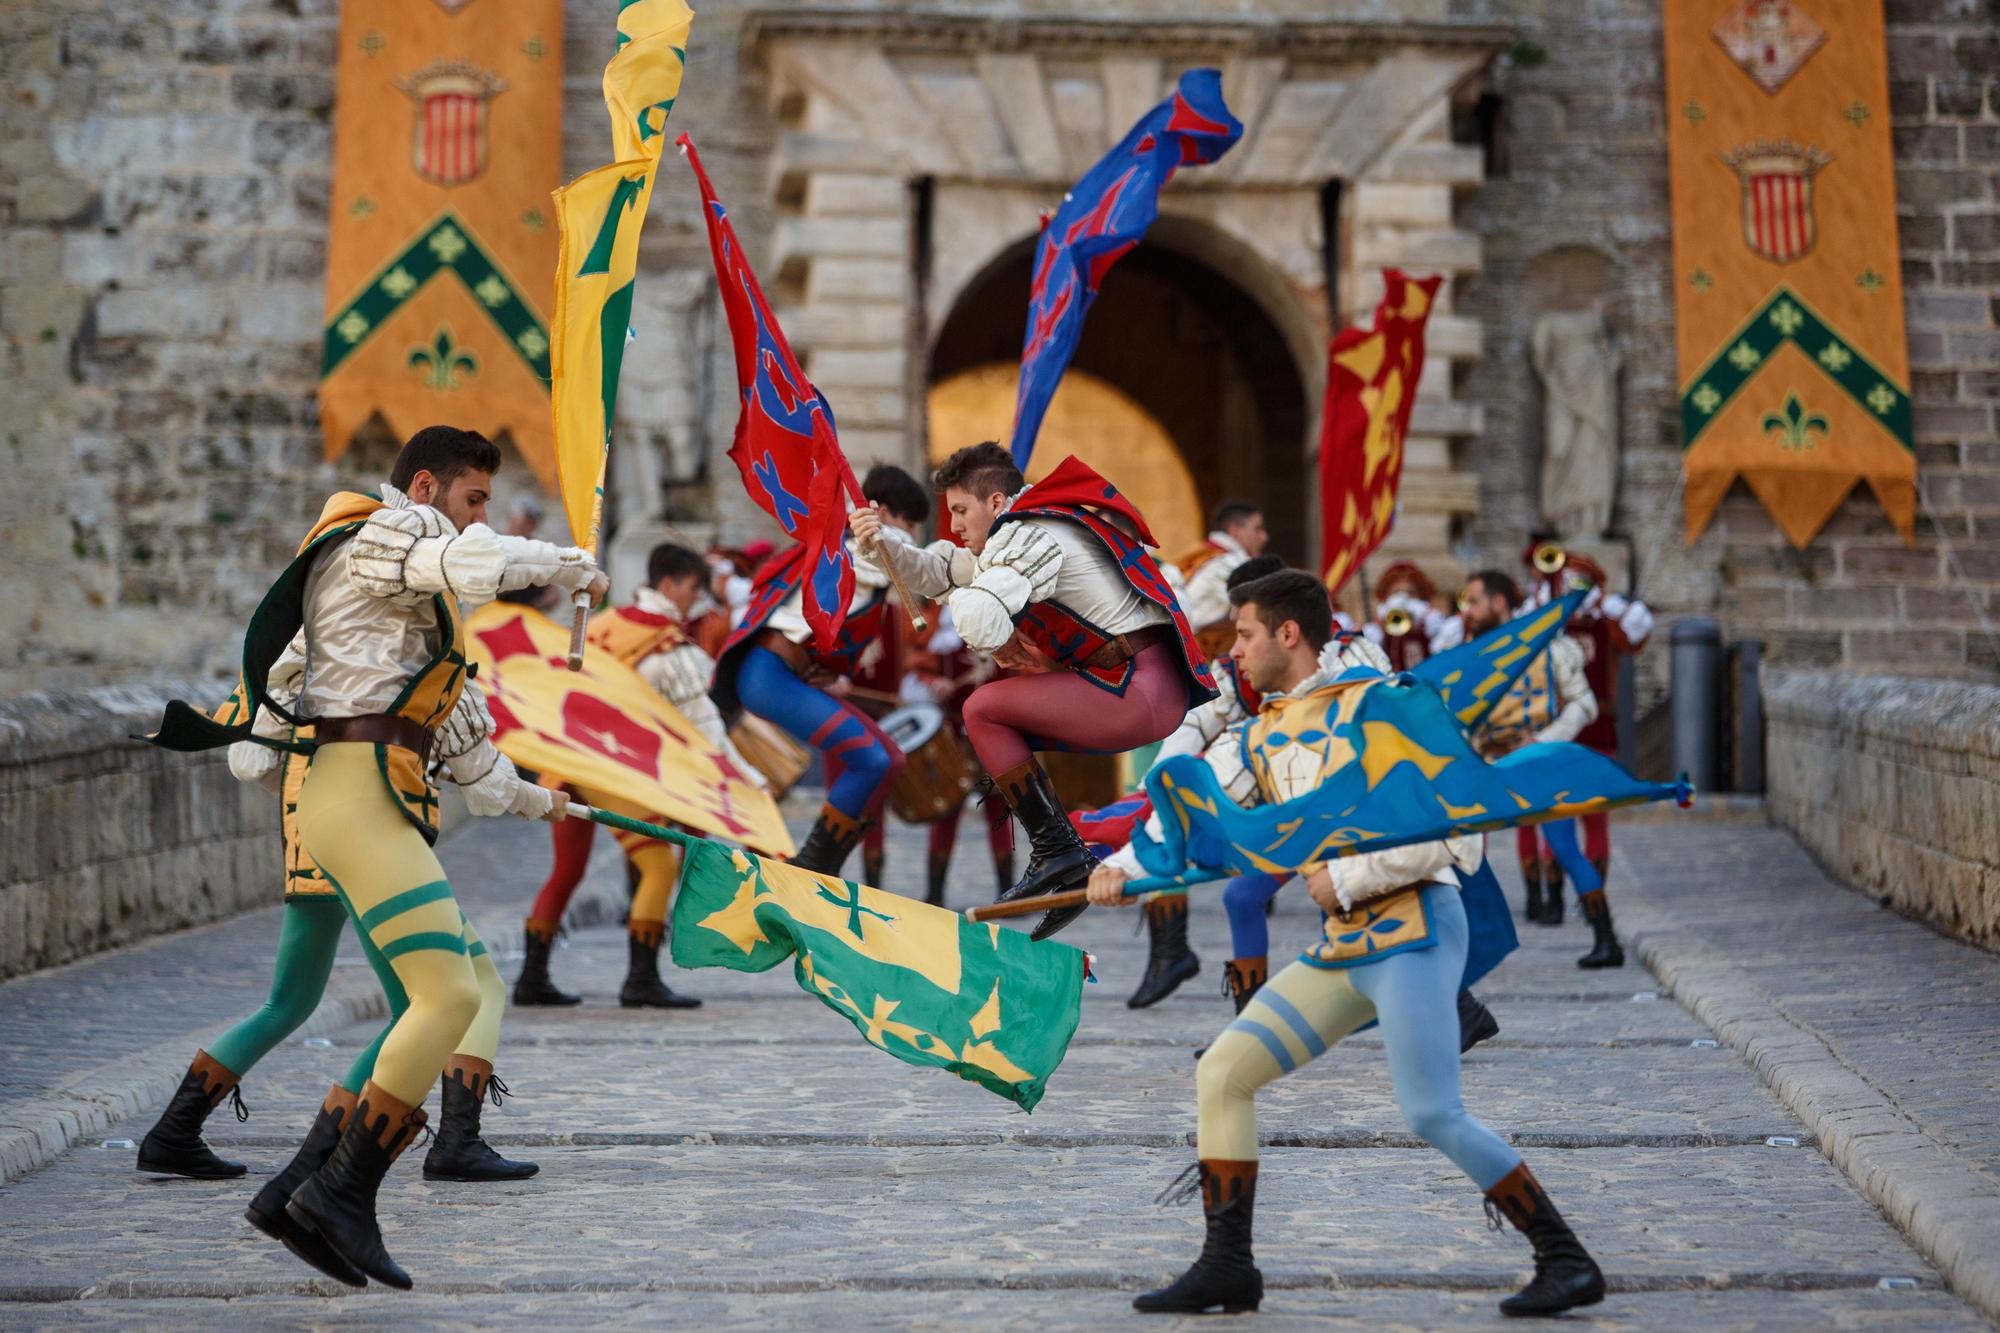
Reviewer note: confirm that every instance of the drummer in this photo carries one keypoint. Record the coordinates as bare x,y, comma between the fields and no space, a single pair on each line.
653,635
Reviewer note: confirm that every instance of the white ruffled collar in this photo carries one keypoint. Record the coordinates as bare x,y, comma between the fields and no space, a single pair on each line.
1227,543
655,602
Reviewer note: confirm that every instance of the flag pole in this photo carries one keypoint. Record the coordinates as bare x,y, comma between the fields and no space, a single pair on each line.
881,554
1048,902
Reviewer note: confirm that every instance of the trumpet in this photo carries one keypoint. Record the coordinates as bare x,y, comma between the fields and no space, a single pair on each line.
1397,623
1464,598
1549,558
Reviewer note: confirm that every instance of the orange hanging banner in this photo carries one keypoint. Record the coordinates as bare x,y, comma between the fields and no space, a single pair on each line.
1794,372
447,141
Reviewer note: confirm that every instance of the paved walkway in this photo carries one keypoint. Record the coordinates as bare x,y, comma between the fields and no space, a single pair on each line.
753,1164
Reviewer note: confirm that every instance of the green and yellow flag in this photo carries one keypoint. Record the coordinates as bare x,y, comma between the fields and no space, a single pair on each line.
921,982
598,216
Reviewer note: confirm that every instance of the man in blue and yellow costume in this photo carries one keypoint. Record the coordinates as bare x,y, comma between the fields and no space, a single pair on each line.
1405,972
370,608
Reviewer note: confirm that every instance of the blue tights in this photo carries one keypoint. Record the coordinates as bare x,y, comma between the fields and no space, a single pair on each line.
860,760
1560,834
1244,898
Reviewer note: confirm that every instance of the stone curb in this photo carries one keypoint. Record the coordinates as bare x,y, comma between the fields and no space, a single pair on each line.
1946,1207
35,1132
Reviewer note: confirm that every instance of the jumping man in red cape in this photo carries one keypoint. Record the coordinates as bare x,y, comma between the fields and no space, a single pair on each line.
1060,567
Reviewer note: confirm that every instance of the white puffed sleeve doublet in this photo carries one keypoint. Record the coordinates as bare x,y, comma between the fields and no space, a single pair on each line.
1018,566
1358,879
491,784
1579,705
407,552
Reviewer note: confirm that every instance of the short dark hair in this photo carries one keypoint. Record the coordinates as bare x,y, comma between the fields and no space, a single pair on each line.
1289,594
1500,582
898,492
445,452
979,470
1231,511
1256,567
668,561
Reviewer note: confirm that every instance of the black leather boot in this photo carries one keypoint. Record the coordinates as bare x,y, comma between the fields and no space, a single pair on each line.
1169,961
1242,978
267,1211
872,865
643,988
174,1146
935,870
1531,876
1003,870
1604,949
1475,1022
1565,1274
1225,1275
457,1152
337,1203
833,836
1057,857
1552,904
534,988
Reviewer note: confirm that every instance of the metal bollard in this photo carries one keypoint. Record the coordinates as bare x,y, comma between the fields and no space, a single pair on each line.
1697,700
1746,657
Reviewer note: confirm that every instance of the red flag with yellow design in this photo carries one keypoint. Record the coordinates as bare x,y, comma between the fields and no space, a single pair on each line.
1371,386
606,729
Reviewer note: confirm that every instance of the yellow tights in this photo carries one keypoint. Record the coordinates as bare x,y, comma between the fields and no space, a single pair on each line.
658,864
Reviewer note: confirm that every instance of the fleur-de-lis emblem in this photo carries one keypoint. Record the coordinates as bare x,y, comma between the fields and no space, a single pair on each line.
1869,280
1835,357
1743,356
398,282
1881,398
1694,113
362,206
491,290
448,243
442,364
1706,399
352,325
1701,280
1788,318
1855,114
1794,425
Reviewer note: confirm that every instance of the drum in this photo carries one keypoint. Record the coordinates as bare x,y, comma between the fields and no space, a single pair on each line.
937,772
782,760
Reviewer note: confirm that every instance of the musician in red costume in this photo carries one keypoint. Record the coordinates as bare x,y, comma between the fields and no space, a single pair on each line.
1608,626
1406,615
1060,567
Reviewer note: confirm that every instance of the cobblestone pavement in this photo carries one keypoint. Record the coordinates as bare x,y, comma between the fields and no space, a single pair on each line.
753,1164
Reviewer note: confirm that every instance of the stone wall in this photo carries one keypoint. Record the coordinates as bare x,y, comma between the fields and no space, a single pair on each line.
1575,208
1894,784
106,841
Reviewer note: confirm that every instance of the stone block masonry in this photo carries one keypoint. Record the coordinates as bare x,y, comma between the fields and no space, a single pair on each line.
1894,784
105,841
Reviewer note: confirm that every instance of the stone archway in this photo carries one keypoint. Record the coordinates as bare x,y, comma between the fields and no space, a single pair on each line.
915,146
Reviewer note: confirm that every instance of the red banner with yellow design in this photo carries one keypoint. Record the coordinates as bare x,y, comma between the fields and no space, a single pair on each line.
605,728
1371,387
447,140
1787,287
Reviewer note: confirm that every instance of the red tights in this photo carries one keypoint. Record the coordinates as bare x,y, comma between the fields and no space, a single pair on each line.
1007,720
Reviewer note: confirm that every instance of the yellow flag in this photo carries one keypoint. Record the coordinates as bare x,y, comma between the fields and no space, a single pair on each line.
598,216
605,728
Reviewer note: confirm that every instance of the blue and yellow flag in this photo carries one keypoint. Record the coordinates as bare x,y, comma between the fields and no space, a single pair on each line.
920,982
1398,770
1474,676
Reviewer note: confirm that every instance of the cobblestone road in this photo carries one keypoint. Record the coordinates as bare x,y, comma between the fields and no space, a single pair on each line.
753,1164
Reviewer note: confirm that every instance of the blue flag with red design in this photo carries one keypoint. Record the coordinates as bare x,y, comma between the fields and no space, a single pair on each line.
1101,218
785,444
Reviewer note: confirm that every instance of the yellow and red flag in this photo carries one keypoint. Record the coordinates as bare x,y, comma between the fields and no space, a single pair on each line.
1787,282
1371,387
599,215
447,139
606,729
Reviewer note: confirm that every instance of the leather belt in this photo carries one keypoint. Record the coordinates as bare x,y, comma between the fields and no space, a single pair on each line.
1117,651
375,729
794,655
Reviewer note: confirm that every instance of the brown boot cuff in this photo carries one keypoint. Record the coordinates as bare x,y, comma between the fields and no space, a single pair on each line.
1166,907
537,929
339,1101
1223,1182
389,1122
1247,974
648,933
1517,1195
1018,781
1592,904
216,1078
839,825
472,1071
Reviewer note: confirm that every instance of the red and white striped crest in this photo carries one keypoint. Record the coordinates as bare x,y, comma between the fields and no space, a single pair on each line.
1777,184
448,139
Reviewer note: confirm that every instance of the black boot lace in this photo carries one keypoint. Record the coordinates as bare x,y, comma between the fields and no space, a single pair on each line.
496,1090
236,1104
1185,1186
1495,1219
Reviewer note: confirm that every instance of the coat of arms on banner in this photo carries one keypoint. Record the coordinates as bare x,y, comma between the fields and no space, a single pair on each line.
448,139
1777,181
1770,39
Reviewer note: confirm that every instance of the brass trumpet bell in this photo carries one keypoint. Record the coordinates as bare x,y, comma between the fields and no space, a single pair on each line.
1397,623
1550,557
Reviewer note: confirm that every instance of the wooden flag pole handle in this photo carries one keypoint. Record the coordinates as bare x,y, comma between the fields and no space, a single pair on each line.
881,557
1134,888
577,625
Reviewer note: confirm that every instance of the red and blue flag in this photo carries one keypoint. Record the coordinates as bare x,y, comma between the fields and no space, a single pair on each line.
785,445
1101,218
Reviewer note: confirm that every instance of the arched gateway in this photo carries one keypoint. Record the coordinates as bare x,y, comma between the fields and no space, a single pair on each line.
918,151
